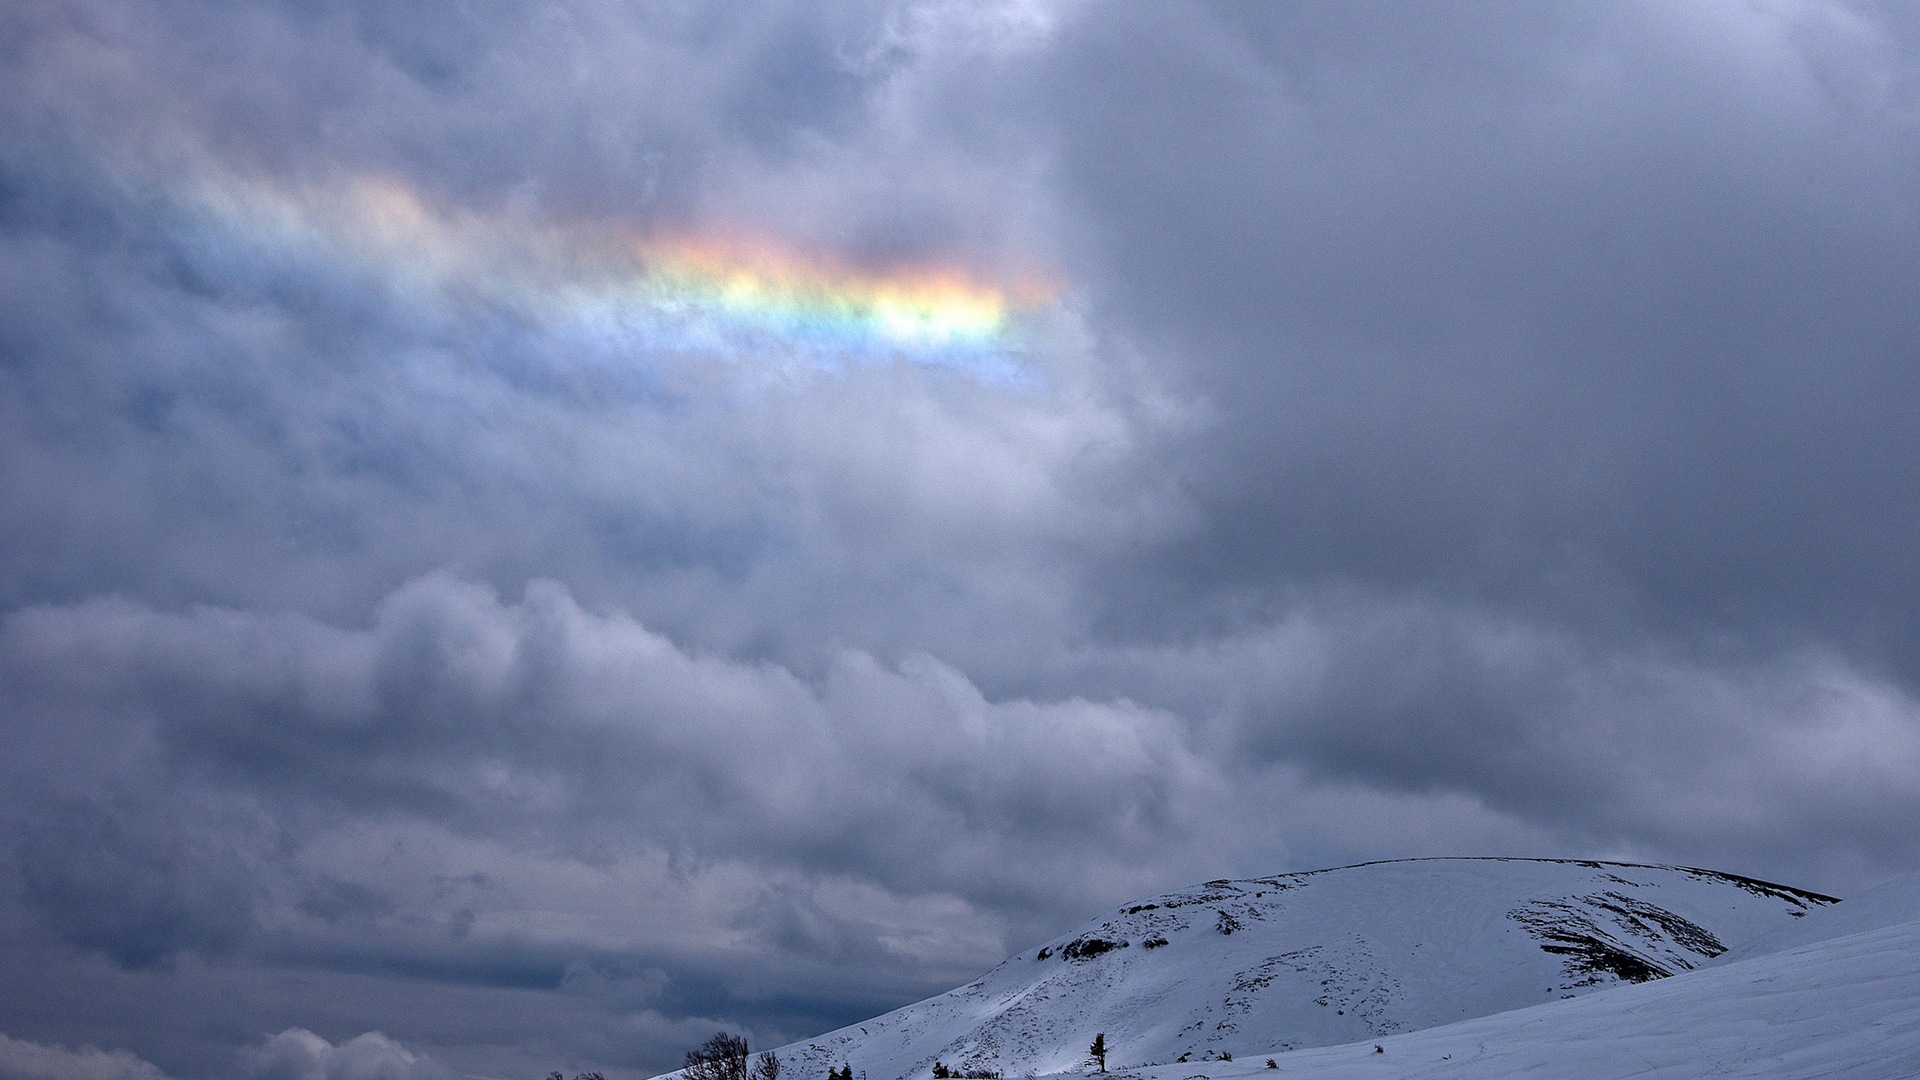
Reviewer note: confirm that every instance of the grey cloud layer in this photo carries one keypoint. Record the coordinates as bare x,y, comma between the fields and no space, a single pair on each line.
1460,432
539,715
1597,314
532,796
294,1054
563,792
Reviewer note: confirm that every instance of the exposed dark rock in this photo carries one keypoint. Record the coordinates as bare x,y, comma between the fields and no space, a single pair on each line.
1087,948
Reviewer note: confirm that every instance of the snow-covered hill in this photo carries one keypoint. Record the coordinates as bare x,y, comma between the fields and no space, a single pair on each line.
1244,970
1837,998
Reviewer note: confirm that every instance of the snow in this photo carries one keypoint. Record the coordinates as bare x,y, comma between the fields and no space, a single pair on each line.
1442,963
1844,1007
1888,904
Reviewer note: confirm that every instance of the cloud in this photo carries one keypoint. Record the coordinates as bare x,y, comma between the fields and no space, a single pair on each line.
1454,432
298,1054
1528,319
532,796
459,708
22,1060
138,889
540,725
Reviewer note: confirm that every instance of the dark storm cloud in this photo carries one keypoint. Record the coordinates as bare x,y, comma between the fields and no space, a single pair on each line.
1595,312
1592,317
1461,432
138,889
429,787
457,708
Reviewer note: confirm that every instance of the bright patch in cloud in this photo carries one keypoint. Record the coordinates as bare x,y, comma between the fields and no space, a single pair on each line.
630,289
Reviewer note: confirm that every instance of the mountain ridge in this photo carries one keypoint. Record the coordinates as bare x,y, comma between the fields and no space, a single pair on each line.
1318,958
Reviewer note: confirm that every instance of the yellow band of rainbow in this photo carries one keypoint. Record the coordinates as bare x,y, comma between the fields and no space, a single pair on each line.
737,293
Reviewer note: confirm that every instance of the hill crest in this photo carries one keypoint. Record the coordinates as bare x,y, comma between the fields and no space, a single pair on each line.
1318,958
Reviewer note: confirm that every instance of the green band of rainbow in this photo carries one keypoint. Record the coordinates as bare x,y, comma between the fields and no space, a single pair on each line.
679,291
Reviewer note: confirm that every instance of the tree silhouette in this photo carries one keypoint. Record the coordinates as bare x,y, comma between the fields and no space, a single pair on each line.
723,1057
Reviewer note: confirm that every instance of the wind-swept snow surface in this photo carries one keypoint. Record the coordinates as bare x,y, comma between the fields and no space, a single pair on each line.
1259,967
1844,1007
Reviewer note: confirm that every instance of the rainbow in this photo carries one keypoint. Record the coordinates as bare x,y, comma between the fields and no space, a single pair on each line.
626,288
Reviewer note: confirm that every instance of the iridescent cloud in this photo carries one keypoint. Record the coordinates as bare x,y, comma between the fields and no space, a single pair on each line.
629,288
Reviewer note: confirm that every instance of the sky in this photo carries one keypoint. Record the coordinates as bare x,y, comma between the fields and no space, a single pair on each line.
530,534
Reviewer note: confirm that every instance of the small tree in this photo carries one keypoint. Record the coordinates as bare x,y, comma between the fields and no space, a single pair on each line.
1099,1051
723,1057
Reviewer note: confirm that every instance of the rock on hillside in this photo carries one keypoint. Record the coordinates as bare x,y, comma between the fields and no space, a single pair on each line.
1317,959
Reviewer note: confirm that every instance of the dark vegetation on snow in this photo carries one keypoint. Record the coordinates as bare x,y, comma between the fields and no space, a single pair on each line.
1590,957
943,1071
1087,948
1764,888
1591,953
1637,913
1803,897
726,1057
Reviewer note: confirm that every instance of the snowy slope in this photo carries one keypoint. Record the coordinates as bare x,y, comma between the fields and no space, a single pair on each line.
1885,905
1259,967
1845,1006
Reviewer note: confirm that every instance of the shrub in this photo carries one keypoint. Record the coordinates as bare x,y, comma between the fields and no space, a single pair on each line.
723,1057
